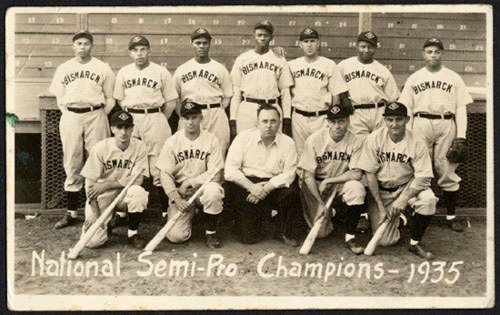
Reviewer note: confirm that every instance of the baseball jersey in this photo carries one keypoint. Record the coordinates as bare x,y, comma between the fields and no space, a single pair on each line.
315,83
147,88
368,83
261,76
184,159
107,162
395,163
324,157
440,92
203,83
90,83
248,156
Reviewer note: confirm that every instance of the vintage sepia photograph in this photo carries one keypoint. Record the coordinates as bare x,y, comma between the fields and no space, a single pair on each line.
250,157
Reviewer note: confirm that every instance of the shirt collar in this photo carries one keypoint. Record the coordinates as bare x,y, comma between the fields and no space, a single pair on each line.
258,139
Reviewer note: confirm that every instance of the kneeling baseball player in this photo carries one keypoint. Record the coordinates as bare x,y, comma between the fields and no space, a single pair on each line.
109,168
326,167
186,160
399,172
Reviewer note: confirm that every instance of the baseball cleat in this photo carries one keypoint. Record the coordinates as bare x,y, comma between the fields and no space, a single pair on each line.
363,225
66,221
136,242
455,225
355,247
286,239
420,252
212,241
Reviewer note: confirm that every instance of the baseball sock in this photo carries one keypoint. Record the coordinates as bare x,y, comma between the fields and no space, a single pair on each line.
419,224
133,221
121,214
450,198
163,201
349,237
353,216
72,197
210,222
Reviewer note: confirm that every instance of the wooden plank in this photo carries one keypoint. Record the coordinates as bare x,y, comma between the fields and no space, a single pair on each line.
459,66
46,22
432,16
417,33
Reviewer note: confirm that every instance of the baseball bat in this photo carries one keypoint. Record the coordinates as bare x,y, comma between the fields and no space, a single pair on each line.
87,235
150,247
313,234
372,245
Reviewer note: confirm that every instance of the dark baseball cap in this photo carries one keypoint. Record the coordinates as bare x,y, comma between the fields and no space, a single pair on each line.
369,37
265,24
83,34
120,118
200,32
434,42
190,108
138,40
337,112
308,33
395,109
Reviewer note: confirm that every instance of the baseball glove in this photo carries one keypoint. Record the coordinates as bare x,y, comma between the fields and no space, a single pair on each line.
458,151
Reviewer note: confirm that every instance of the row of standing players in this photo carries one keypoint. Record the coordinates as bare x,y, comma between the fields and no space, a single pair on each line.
435,99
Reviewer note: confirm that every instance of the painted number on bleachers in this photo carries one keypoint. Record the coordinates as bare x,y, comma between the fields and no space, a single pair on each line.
468,69
297,43
324,44
317,23
412,67
191,22
47,64
246,42
352,44
114,20
55,40
271,43
167,21
141,21
439,26
342,24
390,25
241,22
414,26
164,41
388,67
31,20
401,46
292,23
109,41
164,64
478,47
452,47
26,40
215,22
59,20
463,27
217,41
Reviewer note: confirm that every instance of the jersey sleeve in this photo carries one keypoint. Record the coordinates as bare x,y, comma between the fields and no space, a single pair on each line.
422,164
177,81
369,159
463,96
357,150
168,88
285,79
166,164
308,158
109,82
406,97
94,167
391,88
56,86
236,73
225,84
286,178
336,84
119,91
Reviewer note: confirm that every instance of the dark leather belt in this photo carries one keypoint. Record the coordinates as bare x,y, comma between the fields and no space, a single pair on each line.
368,106
208,106
256,180
81,110
434,116
260,101
144,111
311,114
389,189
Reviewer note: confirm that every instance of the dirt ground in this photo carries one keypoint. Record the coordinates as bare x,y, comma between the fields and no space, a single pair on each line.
458,270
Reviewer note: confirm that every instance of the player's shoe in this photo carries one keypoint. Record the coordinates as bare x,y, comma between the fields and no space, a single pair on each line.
355,247
420,252
66,221
363,225
287,240
136,242
455,225
212,241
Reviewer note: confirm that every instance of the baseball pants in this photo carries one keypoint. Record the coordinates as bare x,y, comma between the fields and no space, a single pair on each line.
438,135
365,121
211,201
134,201
246,117
303,127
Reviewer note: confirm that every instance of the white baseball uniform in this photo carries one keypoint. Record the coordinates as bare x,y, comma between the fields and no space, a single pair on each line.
108,163
315,85
437,93
397,166
367,84
206,84
182,159
80,86
259,77
325,158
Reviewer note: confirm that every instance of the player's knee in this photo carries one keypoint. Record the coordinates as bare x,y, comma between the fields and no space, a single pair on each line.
99,239
354,193
136,199
426,202
211,199
177,235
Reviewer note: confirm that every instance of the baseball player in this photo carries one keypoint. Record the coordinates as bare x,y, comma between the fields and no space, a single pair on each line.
108,169
317,85
437,98
83,87
147,91
260,172
206,82
327,161
399,172
259,77
186,160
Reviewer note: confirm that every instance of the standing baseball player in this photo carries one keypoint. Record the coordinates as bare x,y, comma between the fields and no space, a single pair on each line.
206,82
111,164
260,173
318,83
147,91
186,160
327,161
399,172
83,87
438,99
260,77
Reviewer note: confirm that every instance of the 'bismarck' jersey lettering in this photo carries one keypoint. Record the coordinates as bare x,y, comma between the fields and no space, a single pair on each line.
118,164
361,74
81,75
333,156
203,74
309,72
190,154
259,65
432,85
386,157
150,83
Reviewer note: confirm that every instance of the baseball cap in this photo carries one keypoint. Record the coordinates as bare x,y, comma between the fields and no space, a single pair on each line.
138,40
308,33
121,118
337,112
434,42
369,37
200,32
265,24
83,34
190,108
395,109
